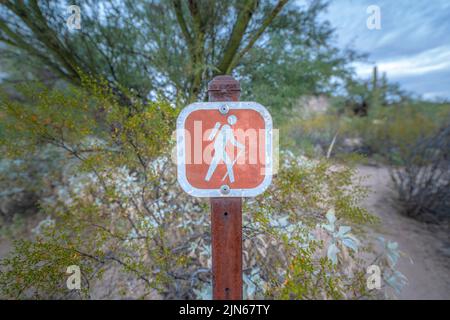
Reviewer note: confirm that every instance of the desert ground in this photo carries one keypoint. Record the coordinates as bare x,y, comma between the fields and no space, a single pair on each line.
427,246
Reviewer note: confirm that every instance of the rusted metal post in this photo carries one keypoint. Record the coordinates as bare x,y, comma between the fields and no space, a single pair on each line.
226,217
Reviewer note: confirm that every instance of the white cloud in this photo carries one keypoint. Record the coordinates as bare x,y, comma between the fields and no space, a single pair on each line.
436,59
435,95
412,46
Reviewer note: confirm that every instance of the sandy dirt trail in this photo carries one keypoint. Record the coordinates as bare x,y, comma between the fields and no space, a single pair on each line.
429,274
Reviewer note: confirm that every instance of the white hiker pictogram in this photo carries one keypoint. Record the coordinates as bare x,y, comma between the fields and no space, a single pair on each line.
222,137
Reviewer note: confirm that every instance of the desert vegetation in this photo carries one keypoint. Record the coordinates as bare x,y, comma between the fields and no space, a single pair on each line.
86,176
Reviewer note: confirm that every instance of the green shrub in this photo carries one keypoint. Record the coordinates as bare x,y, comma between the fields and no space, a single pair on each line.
422,181
385,133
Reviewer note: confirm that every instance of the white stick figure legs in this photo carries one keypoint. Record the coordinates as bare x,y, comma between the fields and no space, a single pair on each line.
222,137
215,161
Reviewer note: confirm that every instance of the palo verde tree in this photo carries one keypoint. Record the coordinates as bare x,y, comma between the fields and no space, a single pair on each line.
172,48
168,46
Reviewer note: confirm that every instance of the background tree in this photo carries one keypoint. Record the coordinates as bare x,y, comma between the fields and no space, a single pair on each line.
145,45
174,47
296,59
365,97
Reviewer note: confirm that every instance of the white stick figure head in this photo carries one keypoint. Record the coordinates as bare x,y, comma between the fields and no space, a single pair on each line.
232,120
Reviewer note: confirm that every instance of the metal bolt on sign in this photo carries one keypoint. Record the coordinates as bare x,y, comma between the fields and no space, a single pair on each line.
224,109
225,189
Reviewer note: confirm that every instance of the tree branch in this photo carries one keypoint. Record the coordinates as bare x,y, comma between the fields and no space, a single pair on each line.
32,17
183,26
17,42
257,34
237,34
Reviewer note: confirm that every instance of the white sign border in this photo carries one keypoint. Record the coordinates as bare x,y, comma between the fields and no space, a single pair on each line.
233,105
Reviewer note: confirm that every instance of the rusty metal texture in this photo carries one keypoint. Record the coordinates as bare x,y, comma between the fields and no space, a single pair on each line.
226,239
226,217
224,88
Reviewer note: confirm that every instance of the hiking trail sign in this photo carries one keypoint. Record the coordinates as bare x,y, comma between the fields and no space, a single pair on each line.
224,149
224,152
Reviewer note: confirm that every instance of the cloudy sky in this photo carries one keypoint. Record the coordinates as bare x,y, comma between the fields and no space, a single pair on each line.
412,46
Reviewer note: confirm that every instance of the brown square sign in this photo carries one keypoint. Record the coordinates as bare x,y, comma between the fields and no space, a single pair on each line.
224,149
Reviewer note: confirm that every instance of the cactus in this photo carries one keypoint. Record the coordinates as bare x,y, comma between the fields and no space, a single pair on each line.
375,94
